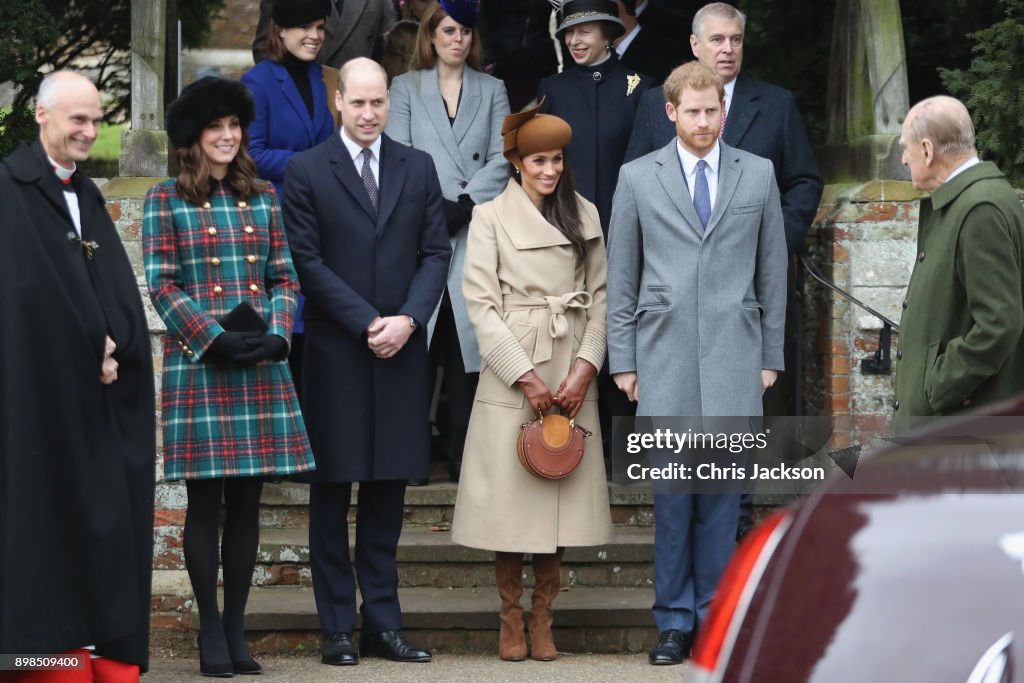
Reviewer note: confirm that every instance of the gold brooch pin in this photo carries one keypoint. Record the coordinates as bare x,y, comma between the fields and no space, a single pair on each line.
631,83
90,248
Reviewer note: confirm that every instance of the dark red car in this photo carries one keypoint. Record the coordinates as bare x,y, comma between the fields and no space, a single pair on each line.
910,572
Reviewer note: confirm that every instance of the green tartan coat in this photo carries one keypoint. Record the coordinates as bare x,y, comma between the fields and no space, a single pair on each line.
960,343
200,263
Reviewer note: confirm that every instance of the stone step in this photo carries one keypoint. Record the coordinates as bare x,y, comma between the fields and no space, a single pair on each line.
428,557
463,619
286,505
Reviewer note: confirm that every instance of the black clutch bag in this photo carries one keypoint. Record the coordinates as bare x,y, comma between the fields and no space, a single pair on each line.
243,318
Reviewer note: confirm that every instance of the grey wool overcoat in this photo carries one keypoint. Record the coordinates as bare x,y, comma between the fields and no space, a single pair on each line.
696,313
467,154
534,307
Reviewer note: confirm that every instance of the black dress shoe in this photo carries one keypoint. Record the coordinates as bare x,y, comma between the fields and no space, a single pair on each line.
391,645
338,650
672,648
247,667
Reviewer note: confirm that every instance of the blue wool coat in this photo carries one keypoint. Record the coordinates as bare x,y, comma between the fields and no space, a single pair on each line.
282,126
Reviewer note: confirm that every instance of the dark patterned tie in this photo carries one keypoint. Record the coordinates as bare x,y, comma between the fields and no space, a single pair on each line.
368,180
702,194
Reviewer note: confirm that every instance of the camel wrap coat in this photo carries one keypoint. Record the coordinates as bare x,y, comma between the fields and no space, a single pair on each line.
533,307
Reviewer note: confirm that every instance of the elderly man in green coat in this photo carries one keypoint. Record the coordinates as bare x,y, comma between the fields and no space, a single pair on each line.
960,342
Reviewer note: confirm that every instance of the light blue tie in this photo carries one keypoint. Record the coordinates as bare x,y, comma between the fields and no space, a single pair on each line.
701,194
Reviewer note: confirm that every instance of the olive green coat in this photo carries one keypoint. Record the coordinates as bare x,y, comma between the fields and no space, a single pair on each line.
960,343
533,307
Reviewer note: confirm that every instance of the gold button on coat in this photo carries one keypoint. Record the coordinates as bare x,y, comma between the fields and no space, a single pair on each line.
254,288
215,261
242,205
206,205
218,289
250,258
248,229
211,231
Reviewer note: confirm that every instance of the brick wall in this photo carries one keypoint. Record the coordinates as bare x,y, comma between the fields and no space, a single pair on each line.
864,240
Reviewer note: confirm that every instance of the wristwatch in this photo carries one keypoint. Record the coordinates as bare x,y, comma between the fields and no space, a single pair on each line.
412,322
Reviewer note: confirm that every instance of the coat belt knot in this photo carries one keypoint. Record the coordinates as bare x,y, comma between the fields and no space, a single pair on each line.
557,307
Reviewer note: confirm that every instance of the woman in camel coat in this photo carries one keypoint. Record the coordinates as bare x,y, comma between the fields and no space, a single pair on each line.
536,295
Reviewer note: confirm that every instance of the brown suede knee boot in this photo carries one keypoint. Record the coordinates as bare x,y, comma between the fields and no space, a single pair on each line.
508,575
546,585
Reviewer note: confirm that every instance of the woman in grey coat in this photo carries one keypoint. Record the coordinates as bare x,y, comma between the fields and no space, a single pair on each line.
445,106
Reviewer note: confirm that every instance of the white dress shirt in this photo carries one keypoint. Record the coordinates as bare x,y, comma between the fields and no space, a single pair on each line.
973,161
356,151
689,162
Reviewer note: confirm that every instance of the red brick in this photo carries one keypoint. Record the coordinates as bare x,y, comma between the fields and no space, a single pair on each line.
838,365
837,404
837,385
114,209
839,440
133,230
839,253
878,212
169,518
839,347
172,622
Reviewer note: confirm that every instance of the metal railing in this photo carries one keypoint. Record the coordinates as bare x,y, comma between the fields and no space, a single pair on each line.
879,363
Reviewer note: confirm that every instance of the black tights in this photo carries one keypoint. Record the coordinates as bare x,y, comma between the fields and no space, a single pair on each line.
222,638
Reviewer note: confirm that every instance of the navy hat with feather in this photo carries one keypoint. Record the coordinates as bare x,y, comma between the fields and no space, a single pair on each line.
203,101
462,11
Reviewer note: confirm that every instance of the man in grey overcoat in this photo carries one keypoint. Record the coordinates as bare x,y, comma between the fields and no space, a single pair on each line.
696,311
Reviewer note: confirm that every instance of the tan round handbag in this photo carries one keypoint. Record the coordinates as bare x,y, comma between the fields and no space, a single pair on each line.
551,446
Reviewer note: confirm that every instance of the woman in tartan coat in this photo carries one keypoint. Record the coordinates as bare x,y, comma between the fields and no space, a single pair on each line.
213,239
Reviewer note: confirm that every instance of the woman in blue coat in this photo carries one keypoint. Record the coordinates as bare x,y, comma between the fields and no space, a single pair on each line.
292,110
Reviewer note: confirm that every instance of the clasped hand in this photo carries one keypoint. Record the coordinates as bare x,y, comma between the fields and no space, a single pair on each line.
570,395
108,371
386,336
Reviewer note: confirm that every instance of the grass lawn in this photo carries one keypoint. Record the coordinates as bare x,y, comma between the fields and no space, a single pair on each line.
108,143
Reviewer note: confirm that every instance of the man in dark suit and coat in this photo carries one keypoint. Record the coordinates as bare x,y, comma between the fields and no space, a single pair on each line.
365,221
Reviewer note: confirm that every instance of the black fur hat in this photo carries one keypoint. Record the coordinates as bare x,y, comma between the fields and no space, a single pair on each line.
203,101
292,13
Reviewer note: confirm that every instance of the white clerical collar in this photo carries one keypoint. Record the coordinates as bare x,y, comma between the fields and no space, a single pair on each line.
973,161
355,149
689,160
62,172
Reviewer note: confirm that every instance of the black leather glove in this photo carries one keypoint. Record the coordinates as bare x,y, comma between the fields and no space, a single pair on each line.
454,216
227,345
267,347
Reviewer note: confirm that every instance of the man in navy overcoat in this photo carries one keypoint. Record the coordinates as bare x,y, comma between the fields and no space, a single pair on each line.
761,118
365,221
